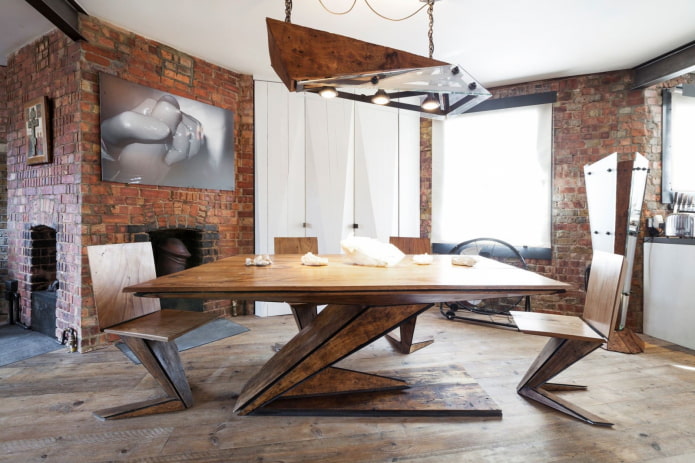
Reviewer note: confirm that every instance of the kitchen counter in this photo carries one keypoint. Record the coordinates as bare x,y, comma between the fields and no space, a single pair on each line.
669,292
670,240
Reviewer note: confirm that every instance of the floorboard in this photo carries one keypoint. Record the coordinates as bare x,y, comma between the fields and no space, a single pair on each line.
46,405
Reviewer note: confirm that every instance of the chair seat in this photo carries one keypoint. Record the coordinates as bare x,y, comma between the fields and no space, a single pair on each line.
164,325
554,325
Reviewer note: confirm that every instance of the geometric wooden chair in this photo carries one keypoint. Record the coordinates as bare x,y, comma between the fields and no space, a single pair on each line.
303,313
147,330
571,337
410,245
402,339
296,244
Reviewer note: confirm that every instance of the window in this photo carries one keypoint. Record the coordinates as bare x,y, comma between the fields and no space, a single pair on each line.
492,173
678,141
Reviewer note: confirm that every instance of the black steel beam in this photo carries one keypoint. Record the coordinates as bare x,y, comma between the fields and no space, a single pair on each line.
668,66
515,101
62,13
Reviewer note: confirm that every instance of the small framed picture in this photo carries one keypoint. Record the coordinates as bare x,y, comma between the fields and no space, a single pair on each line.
38,131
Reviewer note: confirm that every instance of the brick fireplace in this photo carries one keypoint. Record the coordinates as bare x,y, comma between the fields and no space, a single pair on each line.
65,205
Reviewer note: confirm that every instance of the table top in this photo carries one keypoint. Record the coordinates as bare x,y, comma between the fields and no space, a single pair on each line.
340,282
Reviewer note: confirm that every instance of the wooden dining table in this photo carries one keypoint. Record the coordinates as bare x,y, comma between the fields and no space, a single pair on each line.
363,303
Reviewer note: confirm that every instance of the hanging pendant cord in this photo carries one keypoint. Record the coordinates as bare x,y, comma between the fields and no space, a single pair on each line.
430,14
393,19
373,11
430,35
288,11
338,12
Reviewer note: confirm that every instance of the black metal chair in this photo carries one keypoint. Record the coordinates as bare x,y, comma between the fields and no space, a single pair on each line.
492,311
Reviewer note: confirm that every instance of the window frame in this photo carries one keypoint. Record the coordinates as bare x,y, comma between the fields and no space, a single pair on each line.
667,154
528,252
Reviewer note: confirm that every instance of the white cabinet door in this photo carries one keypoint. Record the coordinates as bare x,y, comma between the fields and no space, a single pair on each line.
330,164
329,171
360,159
279,172
376,171
279,164
260,186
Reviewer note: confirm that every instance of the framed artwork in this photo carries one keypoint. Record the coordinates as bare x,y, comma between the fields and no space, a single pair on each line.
152,137
38,134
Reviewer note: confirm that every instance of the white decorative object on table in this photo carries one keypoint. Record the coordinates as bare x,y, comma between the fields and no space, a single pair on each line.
466,261
313,260
370,252
423,259
259,261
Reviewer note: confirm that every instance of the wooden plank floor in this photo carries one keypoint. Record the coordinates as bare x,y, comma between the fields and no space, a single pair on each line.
46,404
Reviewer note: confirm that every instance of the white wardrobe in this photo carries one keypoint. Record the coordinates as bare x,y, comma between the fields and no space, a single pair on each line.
331,168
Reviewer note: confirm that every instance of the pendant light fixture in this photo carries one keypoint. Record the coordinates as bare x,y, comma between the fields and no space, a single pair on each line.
381,97
310,60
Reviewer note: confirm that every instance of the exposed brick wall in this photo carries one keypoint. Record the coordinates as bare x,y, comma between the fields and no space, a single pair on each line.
45,194
4,110
68,194
425,177
4,124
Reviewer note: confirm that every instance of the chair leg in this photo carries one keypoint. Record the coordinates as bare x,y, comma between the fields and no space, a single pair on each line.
557,355
162,361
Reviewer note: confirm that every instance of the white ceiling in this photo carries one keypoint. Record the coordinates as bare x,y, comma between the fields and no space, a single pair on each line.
497,41
20,24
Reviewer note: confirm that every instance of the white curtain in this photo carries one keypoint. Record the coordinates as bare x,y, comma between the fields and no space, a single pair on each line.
682,142
491,176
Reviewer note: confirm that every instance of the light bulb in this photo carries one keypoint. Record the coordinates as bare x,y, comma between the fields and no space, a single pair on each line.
328,92
430,103
381,97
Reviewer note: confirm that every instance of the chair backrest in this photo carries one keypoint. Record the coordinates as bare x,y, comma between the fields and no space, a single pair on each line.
412,245
296,245
113,267
604,290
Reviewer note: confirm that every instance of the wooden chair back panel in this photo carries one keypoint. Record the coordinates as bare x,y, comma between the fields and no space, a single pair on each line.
296,245
603,292
412,245
113,267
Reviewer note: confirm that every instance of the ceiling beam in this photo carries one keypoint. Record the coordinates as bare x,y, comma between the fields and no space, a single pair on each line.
668,66
62,13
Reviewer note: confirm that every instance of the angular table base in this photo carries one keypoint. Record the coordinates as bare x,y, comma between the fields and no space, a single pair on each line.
431,394
301,378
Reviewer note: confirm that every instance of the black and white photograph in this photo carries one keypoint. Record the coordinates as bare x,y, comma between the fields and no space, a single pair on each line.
152,137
